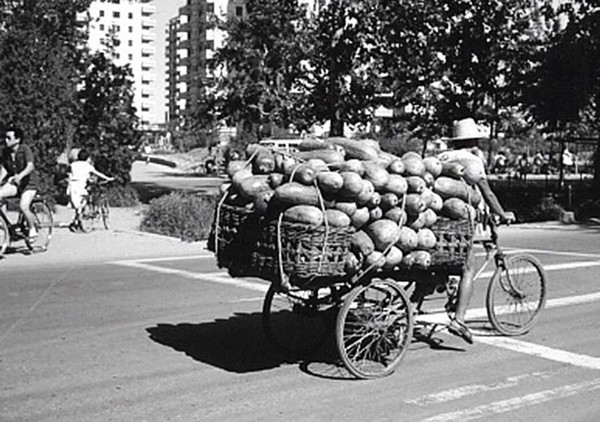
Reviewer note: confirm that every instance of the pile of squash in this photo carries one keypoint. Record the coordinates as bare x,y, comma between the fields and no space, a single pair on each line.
391,201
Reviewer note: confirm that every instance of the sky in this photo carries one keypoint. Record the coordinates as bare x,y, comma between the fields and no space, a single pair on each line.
165,10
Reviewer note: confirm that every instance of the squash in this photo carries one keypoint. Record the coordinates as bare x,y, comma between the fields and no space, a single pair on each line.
409,155
407,239
372,143
407,261
433,165
349,208
429,179
360,217
413,166
376,174
250,187
275,180
397,185
396,214
474,173
415,184
294,193
234,166
355,166
375,214
224,188
393,258
448,187
317,165
366,192
375,260
239,176
374,201
261,201
383,233
353,185
327,155
426,239
351,263
455,209
237,200
385,158
362,244
429,217
416,222
264,162
436,203
452,169
304,174
421,259
414,204
396,167
330,182
311,144
337,218
388,201
288,166
305,214
355,149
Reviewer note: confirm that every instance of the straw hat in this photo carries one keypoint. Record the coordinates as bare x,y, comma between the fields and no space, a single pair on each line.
466,129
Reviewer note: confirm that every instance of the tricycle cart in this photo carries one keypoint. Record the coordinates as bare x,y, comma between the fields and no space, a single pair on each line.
373,311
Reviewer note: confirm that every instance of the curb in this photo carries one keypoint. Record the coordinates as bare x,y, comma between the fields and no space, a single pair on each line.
157,236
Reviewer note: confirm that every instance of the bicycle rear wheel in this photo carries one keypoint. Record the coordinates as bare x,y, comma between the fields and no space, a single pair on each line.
516,295
88,217
43,224
105,213
374,329
298,322
4,236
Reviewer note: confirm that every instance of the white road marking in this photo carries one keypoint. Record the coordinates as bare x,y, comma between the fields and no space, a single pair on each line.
561,253
552,267
503,406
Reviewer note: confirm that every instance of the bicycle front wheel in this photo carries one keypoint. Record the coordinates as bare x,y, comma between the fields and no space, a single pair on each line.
43,224
88,217
374,329
105,213
516,295
4,236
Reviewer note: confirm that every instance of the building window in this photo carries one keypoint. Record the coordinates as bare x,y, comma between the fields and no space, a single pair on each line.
102,13
116,14
210,45
131,29
210,8
131,57
130,15
130,43
116,28
101,27
239,11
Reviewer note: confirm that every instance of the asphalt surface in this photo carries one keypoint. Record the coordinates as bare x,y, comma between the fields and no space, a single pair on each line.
154,331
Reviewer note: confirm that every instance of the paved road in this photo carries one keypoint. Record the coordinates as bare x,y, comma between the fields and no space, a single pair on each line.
172,338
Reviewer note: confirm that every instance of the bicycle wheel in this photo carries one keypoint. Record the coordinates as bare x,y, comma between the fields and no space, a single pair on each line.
43,224
516,294
4,236
299,321
105,213
88,217
374,329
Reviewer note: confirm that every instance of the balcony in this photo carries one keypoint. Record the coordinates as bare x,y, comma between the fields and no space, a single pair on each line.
148,24
148,50
148,10
148,36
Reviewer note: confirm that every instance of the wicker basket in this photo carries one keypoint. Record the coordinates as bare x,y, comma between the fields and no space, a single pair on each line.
307,252
236,237
454,242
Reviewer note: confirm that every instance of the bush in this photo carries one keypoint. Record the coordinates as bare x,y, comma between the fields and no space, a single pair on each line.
122,196
529,203
186,216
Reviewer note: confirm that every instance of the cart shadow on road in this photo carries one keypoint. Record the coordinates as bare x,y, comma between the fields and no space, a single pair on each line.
235,344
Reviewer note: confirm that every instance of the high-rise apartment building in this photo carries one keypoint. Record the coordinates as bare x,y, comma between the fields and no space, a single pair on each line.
125,28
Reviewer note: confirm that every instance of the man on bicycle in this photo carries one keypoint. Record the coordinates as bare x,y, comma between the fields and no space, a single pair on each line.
17,165
465,149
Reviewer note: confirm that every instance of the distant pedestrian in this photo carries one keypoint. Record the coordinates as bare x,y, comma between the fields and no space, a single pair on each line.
523,166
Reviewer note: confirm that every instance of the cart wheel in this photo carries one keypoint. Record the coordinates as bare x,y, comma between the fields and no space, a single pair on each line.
374,329
4,236
516,294
298,321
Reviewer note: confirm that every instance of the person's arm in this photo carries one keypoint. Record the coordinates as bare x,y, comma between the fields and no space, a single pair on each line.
102,175
16,179
492,200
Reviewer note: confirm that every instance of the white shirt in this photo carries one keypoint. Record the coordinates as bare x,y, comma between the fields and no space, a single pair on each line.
80,171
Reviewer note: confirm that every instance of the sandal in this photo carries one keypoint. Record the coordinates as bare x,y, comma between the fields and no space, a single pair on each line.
459,329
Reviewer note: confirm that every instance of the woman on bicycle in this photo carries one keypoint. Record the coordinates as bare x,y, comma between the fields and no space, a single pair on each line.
80,172
465,149
16,162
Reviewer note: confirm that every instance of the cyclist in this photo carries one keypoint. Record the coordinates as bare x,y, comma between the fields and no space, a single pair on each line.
465,149
17,163
80,172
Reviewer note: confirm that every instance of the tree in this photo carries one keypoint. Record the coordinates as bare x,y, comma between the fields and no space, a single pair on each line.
107,127
264,61
40,57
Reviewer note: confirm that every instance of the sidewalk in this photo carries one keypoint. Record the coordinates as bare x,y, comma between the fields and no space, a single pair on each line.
122,241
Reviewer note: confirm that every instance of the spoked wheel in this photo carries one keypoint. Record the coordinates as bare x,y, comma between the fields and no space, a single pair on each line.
43,223
516,294
88,217
299,321
4,236
105,213
374,329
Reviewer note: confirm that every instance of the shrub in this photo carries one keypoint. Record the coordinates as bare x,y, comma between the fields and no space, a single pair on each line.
529,203
122,196
186,216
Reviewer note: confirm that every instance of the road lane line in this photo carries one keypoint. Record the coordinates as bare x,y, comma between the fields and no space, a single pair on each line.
509,405
165,259
551,267
473,389
561,253
217,278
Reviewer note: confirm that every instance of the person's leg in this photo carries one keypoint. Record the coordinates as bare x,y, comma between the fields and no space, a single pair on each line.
465,293
25,204
7,190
